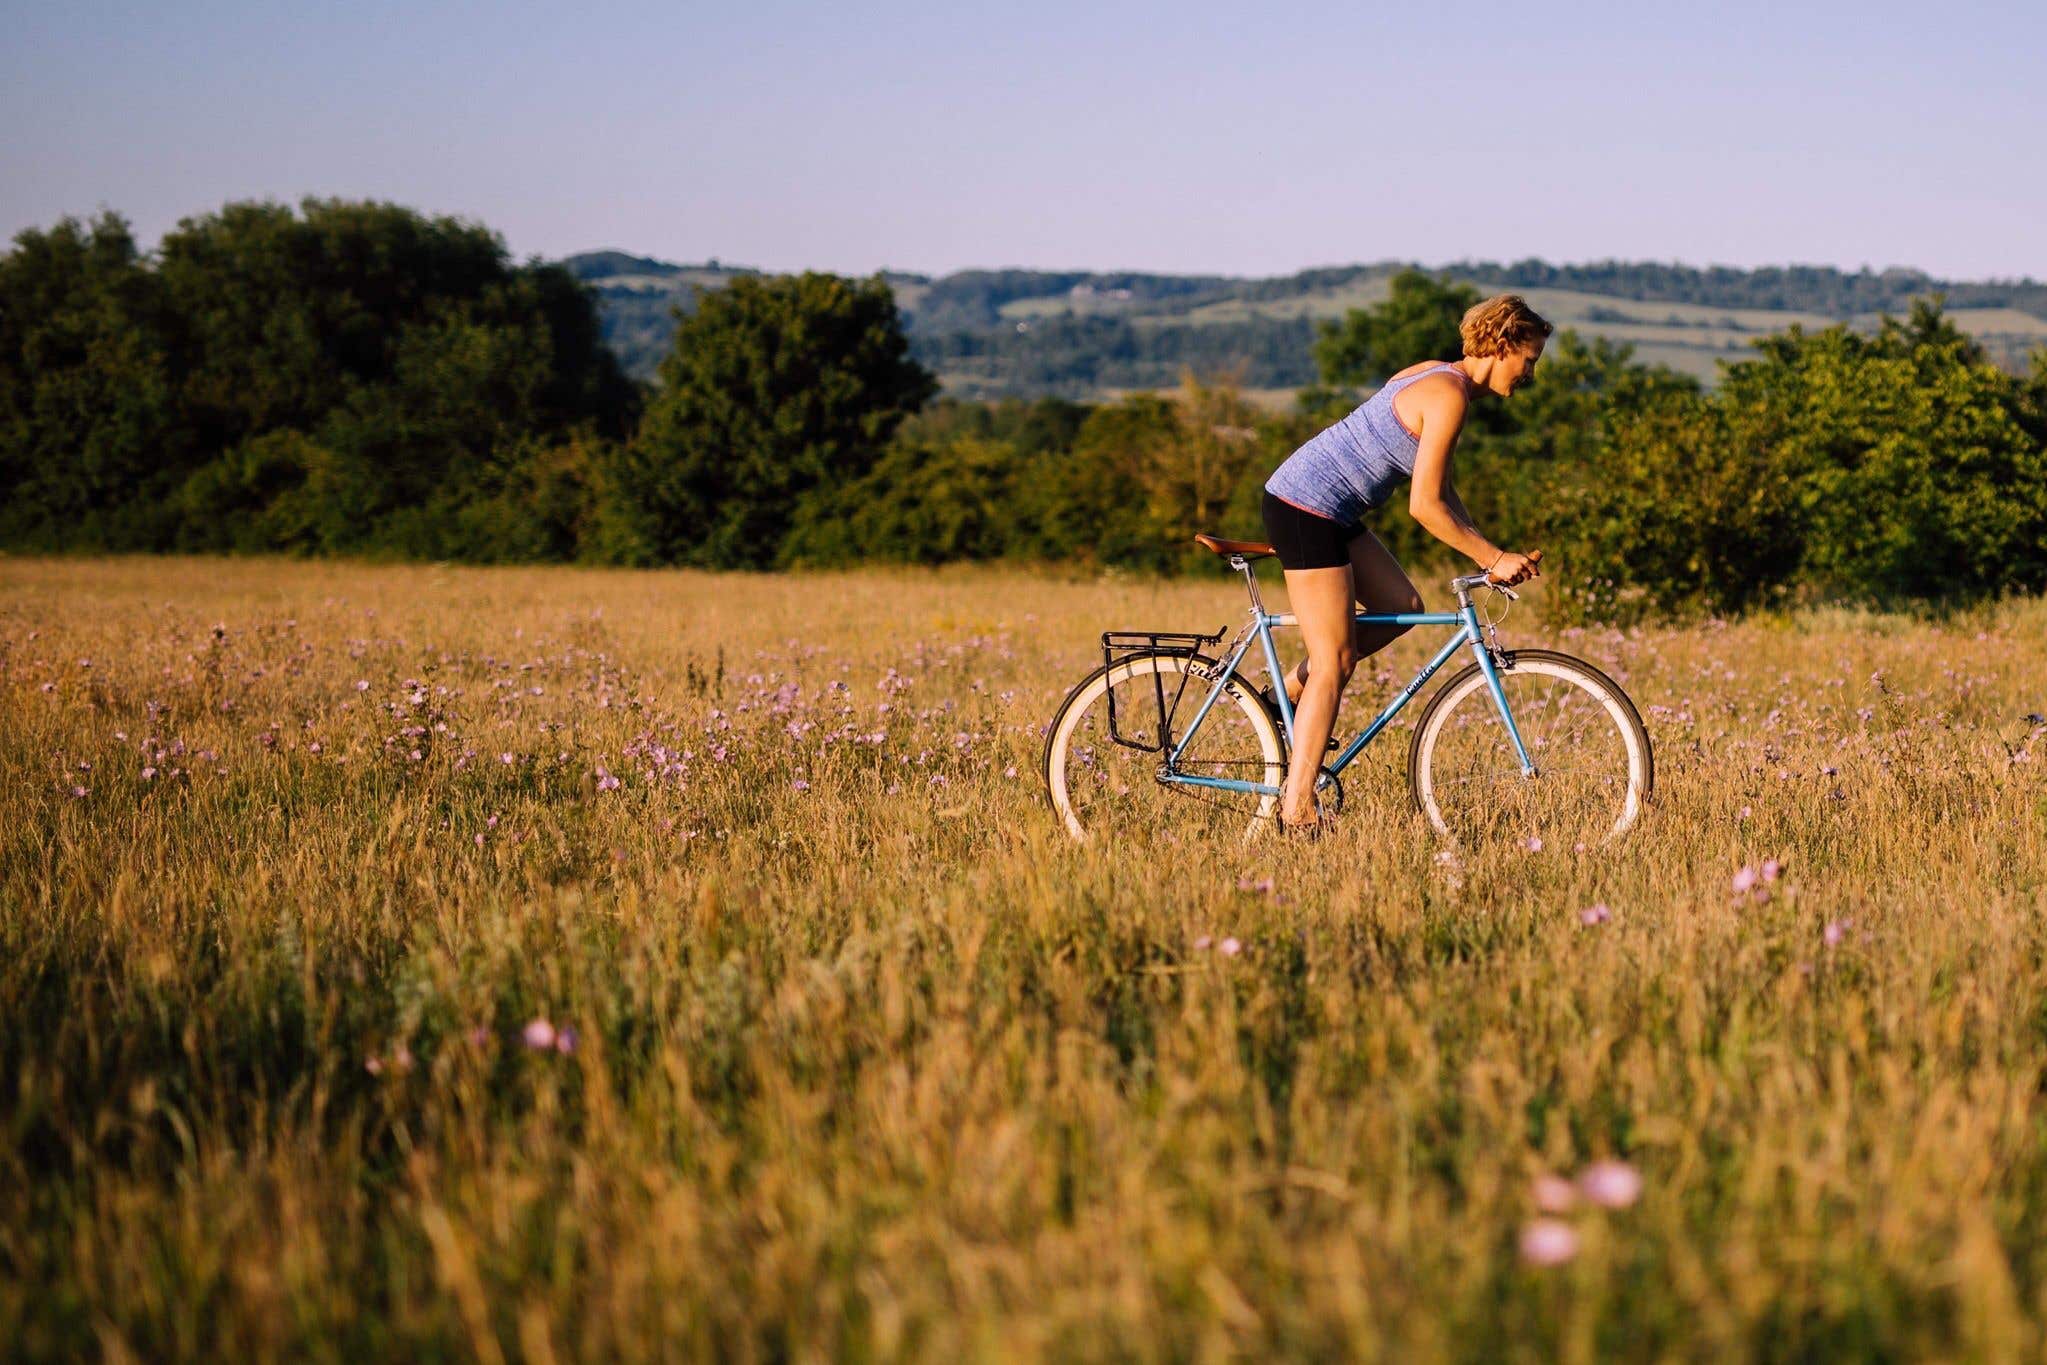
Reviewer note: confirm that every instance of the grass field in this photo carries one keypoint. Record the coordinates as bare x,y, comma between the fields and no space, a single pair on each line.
558,964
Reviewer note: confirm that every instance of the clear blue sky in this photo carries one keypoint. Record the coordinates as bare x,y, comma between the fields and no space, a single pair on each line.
1225,137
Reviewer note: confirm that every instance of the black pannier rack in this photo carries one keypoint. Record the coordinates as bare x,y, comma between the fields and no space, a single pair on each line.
1121,645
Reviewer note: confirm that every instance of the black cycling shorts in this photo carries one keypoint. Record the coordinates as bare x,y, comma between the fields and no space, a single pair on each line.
1304,539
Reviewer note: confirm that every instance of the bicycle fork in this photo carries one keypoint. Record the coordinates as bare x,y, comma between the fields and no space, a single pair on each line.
1484,651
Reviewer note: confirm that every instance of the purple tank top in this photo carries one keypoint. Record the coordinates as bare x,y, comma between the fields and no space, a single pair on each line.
1351,465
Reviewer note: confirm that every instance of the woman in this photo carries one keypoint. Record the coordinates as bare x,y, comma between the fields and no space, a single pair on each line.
1316,501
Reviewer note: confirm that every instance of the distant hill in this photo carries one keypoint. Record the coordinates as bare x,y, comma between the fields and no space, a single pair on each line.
1085,334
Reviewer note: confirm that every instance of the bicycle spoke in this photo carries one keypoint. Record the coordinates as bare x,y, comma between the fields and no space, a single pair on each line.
1579,750
1585,715
1117,785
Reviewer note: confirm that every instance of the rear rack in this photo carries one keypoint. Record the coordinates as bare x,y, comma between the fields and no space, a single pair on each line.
1119,646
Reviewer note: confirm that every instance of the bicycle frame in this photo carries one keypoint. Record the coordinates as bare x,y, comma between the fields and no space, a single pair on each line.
1470,634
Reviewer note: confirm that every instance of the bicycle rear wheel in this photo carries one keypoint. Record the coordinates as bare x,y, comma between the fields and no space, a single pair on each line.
1103,782
1593,766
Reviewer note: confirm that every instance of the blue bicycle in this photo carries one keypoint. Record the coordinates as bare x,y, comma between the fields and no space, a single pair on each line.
1525,745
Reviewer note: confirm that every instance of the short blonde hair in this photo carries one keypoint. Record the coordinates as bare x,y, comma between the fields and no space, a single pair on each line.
1500,325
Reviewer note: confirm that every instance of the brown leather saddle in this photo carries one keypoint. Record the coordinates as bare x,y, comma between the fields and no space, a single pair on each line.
1250,549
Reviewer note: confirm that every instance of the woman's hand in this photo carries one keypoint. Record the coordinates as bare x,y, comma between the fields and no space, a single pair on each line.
1515,568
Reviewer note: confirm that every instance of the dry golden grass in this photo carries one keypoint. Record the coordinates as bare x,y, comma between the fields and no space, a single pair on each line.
869,1061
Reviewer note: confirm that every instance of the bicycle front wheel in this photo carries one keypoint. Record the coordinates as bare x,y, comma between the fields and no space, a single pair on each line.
1593,766
1119,783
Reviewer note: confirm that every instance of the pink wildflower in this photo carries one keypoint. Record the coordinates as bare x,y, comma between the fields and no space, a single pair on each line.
1547,1242
538,1035
1836,930
1230,947
1595,914
1611,1184
1744,880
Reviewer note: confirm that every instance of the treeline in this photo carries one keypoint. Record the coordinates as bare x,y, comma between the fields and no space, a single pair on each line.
1084,332
1796,288
358,378
1071,355
972,300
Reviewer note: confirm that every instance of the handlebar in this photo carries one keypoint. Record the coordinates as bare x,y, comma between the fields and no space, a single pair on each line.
1469,581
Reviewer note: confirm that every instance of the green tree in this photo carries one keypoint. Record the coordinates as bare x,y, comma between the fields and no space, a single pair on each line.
1418,320
1087,504
283,316
778,389
925,502
1892,468
2032,401
1148,472
90,444
1032,427
1681,510
1916,477
363,372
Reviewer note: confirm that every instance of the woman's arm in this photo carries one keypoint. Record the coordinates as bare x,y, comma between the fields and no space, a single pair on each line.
1455,503
1431,500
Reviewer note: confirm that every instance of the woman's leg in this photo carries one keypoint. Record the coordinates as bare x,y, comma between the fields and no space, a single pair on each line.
1321,603
1381,586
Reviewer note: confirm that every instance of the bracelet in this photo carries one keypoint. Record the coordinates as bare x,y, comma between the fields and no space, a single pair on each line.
1496,561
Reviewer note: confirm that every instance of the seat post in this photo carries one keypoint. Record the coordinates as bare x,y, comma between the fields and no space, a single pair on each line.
1243,566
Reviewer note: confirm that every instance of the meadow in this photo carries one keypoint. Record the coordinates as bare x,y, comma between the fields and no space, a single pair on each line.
563,964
